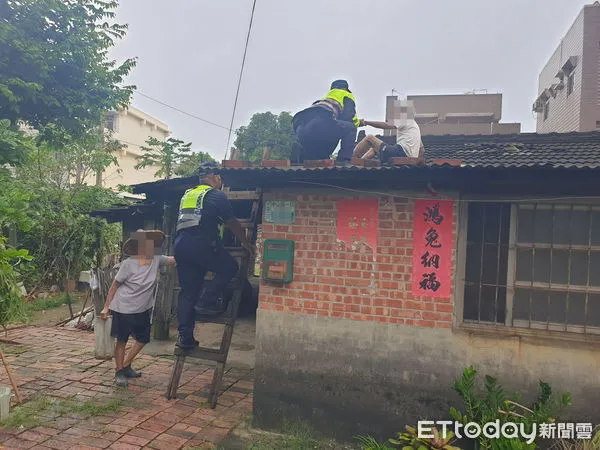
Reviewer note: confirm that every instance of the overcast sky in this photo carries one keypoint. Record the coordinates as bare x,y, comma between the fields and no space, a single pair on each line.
190,51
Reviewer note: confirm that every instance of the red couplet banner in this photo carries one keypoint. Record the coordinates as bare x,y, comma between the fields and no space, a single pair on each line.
358,220
432,248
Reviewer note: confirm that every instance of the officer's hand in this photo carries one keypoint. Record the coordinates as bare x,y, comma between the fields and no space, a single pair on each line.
104,314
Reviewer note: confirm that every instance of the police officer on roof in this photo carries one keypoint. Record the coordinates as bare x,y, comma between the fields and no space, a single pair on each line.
203,211
321,126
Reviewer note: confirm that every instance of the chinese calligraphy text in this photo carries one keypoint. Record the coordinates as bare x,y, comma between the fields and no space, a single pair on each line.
432,248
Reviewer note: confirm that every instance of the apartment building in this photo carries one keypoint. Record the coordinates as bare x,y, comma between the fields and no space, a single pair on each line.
569,84
132,128
457,114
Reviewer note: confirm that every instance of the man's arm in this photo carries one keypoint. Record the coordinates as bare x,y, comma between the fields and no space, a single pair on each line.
380,125
236,228
229,220
109,298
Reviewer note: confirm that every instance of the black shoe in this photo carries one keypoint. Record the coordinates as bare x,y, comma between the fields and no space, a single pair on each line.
130,373
121,379
187,344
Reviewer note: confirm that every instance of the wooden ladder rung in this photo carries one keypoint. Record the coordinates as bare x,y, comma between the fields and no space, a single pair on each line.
209,354
242,195
221,320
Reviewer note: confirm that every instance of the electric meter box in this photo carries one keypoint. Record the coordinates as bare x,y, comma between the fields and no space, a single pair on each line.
278,260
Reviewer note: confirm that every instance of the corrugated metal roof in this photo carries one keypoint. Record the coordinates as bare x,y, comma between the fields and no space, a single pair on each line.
512,151
553,150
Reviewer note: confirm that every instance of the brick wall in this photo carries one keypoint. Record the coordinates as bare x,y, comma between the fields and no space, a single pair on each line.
332,278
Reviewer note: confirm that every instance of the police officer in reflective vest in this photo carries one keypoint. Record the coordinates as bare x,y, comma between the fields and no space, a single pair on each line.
321,126
203,212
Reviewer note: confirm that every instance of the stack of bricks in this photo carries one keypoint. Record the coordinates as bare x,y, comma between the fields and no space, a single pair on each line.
341,280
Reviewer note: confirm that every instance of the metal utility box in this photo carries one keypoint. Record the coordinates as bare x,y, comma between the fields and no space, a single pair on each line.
278,260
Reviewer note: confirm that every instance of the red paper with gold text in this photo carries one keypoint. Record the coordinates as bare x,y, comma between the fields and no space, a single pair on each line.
432,248
358,220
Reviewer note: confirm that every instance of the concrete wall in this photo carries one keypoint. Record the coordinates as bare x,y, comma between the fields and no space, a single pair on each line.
590,95
459,103
441,105
133,128
348,347
564,111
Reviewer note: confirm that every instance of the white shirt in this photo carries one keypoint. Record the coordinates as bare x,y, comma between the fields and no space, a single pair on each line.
408,135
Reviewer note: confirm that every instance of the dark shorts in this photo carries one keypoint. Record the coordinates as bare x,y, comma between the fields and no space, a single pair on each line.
388,152
136,325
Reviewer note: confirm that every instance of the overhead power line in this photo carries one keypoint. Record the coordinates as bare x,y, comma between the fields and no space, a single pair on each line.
182,111
240,78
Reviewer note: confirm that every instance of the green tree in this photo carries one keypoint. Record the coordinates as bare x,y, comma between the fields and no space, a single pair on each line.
191,163
78,157
13,144
266,130
167,155
54,62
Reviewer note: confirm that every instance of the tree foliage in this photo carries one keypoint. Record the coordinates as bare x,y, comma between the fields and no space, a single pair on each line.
167,155
190,164
54,62
12,307
55,76
77,157
266,130
52,217
13,143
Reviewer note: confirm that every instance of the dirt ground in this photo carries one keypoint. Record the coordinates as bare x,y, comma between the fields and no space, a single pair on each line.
52,316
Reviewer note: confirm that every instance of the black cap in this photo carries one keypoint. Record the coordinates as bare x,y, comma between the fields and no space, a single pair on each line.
340,84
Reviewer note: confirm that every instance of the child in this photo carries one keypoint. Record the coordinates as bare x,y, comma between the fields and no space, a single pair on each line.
130,298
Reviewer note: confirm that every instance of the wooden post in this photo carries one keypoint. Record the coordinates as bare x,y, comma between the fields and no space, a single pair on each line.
11,378
266,153
164,296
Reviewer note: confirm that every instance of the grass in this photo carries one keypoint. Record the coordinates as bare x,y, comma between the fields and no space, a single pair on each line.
293,436
48,303
13,349
44,409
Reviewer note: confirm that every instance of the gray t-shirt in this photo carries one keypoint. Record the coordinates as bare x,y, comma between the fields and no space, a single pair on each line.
136,292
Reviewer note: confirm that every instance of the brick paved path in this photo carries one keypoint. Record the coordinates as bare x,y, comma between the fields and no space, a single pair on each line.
59,364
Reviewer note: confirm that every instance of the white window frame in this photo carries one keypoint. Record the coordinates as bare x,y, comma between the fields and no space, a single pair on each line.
511,283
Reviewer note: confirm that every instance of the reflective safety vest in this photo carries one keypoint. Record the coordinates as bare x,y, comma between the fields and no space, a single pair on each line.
334,101
190,208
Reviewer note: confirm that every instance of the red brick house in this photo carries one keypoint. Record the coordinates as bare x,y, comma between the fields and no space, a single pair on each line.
404,275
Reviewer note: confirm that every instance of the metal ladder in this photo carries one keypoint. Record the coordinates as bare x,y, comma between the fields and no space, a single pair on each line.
219,355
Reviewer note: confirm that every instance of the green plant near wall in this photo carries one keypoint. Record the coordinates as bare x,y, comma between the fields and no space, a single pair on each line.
495,404
410,440
12,306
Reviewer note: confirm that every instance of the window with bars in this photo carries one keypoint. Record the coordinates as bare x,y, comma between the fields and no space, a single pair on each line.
534,266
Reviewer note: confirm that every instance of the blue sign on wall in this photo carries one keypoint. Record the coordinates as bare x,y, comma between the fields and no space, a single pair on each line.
279,211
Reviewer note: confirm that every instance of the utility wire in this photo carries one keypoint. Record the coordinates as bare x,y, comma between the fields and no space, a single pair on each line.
240,79
182,111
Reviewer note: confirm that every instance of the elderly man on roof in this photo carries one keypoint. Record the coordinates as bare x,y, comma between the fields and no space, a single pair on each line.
408,136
